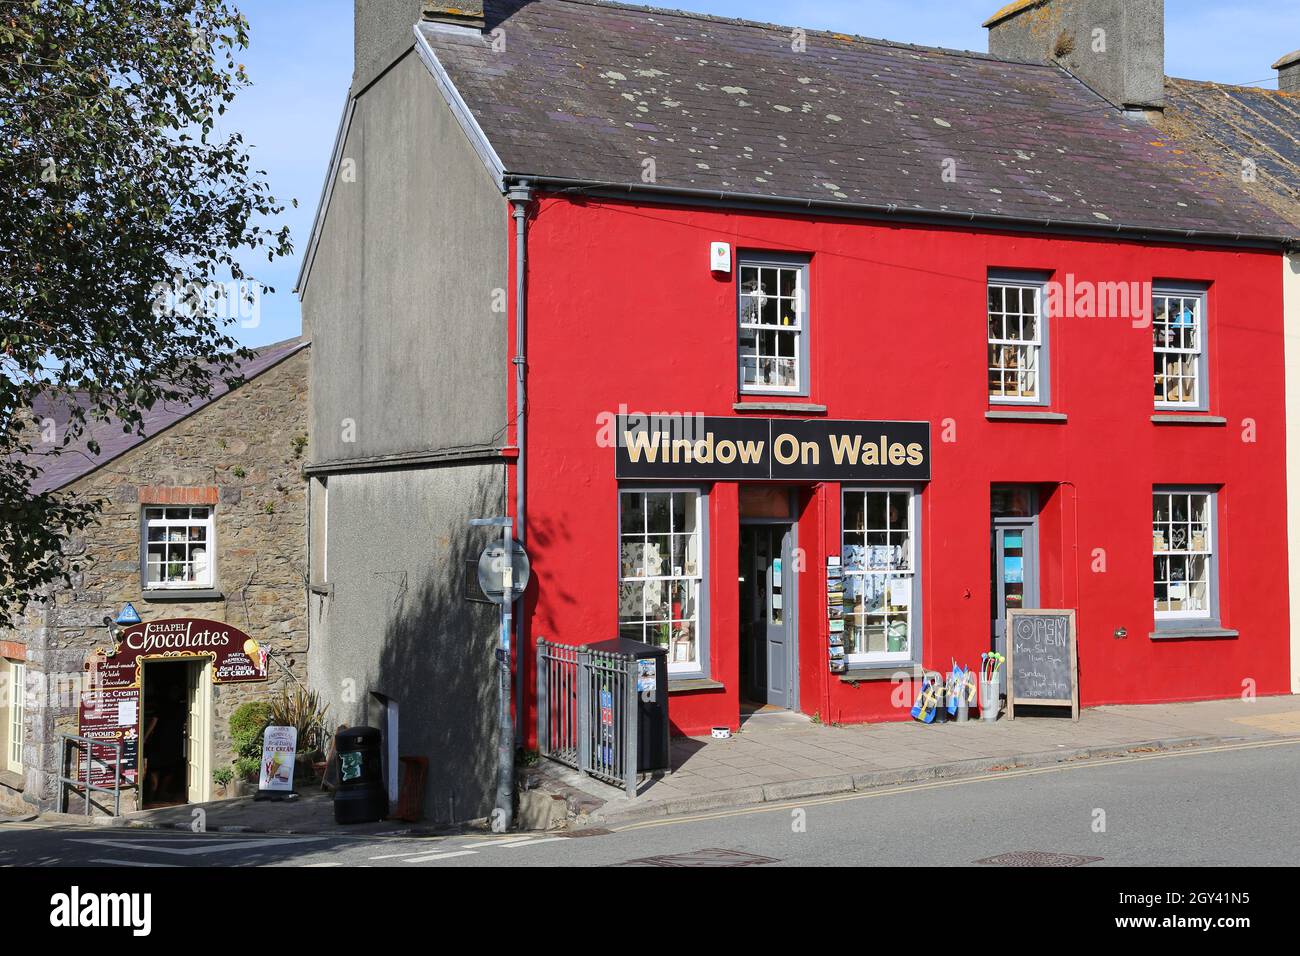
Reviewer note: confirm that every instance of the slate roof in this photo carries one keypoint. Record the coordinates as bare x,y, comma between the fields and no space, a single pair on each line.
1229,124
75,461
588,91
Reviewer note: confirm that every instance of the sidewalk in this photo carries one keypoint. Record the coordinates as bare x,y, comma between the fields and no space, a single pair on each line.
782,756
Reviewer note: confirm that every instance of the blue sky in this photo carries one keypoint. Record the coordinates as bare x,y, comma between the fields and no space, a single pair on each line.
300,64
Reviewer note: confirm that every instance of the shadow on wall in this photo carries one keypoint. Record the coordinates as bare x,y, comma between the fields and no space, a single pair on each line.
438,662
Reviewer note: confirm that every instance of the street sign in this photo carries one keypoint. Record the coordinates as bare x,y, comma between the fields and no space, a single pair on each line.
503,579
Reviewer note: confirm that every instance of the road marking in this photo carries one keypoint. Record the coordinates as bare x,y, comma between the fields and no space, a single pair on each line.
196,845
505,841
537,842
130,863
396,856
962,781
441,856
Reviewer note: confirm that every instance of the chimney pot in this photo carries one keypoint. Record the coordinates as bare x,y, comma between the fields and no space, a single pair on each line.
465,12
1288,73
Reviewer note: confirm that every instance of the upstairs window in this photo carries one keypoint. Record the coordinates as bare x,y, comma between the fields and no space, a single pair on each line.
1178,330
1017,342
773,325
178,548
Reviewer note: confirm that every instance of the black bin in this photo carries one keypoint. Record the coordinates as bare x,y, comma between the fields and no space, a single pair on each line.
652,754
361,796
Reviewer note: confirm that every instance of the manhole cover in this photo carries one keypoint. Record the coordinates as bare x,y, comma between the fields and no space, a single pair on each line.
1038,858
703,858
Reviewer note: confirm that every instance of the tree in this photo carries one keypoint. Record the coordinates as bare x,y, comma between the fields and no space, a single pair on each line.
123,209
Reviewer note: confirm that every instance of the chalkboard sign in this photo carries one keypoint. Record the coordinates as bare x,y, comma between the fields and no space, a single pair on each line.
1042,660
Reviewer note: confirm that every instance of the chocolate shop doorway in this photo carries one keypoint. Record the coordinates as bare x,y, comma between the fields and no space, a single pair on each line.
174,732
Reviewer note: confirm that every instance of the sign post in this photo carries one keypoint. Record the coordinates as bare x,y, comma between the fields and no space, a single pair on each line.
503,574
1042,660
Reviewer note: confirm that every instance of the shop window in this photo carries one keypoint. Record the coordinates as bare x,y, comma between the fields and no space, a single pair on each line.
1178,331
1183,546
662,574
1017,332
773,310
881,582
178,550
12,703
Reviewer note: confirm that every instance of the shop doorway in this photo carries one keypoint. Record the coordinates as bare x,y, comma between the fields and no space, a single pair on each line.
175,732
768,628
1015,561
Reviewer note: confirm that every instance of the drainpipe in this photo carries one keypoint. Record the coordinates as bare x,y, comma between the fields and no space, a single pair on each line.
520,197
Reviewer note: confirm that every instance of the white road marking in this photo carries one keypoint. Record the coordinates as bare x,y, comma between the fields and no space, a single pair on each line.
441,856
130,863
537,842
397,856
513,841
197,845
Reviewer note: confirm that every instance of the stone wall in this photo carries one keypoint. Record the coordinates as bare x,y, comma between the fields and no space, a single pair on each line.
244,451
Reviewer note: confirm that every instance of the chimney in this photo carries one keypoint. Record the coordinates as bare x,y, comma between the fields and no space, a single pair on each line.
1288,73
382,28
1117,47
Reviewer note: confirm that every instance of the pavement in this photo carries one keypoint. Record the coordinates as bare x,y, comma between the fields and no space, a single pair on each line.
780,756
1223,805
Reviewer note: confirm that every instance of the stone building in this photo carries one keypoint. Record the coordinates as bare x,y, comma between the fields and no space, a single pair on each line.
202,521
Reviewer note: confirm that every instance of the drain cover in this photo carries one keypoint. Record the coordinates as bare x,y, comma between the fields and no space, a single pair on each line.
703,858
1038,858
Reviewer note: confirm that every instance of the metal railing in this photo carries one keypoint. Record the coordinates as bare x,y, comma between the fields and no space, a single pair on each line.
73,742
587,711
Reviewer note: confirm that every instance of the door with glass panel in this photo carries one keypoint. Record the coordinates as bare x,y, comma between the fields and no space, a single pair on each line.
1015,572
767,601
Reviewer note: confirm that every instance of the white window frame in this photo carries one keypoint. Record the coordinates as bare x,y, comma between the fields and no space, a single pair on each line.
1039,344
209,525
1197,357
14,714
913,653
700,665
800,265
1210,613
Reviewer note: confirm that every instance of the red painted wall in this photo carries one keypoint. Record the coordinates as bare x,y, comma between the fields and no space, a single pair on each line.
623,310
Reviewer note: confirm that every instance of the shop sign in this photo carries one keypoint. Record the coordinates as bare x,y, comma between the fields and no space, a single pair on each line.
279,747
110,709
695,447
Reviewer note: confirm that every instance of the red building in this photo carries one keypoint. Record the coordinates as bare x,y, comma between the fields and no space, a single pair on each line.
1053,344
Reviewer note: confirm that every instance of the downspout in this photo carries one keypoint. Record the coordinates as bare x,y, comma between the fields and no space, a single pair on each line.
520,197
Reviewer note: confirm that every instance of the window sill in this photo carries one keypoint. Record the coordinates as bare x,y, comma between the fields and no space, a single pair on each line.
183,594
1183,633
1002,415
806,408
680,685
1195,418
873,672
12,781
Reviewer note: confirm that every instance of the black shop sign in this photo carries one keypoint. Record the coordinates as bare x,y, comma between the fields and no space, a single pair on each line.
696,447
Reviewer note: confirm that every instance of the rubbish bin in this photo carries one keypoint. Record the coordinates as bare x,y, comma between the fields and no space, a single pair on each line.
361,796
651,674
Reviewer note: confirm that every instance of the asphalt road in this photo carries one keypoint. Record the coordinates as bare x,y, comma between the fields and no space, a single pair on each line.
1218,806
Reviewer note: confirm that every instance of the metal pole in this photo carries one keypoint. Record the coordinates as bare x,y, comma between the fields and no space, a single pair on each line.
506,733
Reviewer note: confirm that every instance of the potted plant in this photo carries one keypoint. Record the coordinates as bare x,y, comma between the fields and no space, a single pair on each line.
223,777
247,724
304,710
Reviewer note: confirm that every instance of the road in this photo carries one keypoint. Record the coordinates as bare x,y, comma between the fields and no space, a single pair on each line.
1218,806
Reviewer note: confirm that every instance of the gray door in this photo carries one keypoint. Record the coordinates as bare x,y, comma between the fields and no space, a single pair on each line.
1015,572
767,614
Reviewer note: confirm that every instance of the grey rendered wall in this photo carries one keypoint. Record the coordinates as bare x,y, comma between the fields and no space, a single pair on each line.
408,356
398,625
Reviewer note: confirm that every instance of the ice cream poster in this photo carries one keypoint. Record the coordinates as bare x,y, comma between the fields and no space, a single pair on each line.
279,744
